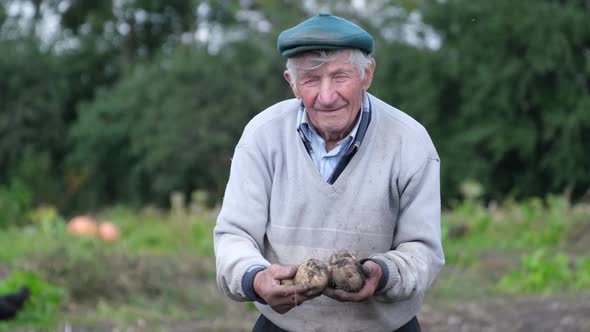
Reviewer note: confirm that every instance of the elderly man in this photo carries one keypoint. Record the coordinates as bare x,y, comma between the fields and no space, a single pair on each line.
334,169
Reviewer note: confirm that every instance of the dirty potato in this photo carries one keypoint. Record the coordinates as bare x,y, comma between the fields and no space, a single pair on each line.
314,274
346,272
339,255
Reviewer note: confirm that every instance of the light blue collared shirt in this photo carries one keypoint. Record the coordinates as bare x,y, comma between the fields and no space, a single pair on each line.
324,160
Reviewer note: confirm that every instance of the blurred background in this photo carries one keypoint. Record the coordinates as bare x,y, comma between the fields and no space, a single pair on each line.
118,119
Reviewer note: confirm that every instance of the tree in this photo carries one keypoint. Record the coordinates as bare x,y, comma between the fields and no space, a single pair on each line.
505,96
172,124
31,124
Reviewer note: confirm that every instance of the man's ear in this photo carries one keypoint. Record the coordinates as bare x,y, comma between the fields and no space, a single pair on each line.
369,71
291,82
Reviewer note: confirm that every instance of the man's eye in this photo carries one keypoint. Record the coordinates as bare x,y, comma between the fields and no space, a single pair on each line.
341,78
310,82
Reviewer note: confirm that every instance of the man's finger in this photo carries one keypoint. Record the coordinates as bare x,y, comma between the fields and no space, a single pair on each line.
336,294
343,296
294,289
283,272
370,268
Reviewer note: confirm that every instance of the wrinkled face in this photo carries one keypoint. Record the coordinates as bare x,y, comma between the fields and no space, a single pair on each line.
332,94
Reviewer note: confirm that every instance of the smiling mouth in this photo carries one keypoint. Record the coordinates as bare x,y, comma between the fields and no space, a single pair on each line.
331,109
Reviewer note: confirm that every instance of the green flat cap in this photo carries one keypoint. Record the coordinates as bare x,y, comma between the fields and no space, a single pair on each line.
324,31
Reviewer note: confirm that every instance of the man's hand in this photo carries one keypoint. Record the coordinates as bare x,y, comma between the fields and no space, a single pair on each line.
281,298
373,273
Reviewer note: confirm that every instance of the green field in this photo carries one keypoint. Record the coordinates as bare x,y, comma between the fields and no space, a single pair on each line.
160,273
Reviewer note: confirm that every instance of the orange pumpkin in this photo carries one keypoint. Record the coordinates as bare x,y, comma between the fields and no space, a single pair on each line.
108,231
82,226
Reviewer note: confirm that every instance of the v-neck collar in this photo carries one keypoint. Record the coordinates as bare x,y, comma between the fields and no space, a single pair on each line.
364,135
357,134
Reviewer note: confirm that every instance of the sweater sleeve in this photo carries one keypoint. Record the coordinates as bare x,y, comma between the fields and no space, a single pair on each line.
241,224
417,256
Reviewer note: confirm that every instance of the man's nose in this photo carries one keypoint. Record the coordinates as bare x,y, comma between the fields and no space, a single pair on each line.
327,94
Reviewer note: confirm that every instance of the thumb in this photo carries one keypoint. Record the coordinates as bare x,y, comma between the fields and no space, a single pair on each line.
285,272
370,268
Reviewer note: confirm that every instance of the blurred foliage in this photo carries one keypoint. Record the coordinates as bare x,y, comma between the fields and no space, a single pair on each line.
141,233
15,202
41,308
31,125
548,272
536,246
141,142
470,228
162,266
505,97
126,102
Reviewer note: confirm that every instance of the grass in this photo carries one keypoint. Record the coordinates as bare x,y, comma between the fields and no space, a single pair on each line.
43,306
161,272
159,233
529,247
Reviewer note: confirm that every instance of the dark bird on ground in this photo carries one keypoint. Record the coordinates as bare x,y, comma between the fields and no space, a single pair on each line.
11,304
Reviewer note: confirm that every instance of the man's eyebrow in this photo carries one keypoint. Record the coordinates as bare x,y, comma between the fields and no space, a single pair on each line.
307,74
343,71
312,73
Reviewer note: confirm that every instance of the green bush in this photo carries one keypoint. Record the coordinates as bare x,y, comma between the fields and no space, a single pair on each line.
160,233
534,246
470,227
582,272
15,203
43,305
545,222
546,271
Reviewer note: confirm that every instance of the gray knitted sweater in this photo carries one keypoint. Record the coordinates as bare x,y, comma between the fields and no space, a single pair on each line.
385,205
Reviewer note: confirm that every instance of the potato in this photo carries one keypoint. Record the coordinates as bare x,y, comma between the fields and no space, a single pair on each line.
339,255
342,271
314,273
346,272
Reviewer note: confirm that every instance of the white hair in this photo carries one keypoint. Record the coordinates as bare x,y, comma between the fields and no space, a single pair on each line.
317,58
